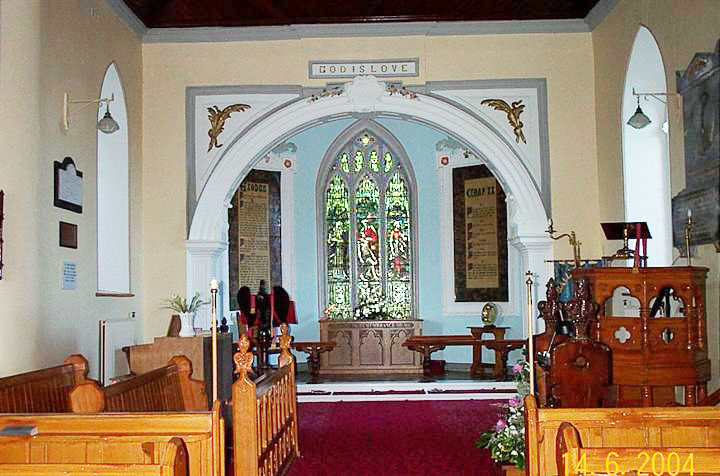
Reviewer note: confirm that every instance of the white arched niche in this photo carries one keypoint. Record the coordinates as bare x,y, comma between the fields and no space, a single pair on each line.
646,166
113,207
207,240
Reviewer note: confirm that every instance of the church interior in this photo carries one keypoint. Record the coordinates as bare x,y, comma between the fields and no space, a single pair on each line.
217,218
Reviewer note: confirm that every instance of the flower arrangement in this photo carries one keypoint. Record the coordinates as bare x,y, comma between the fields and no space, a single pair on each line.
372,307
180,304
506,441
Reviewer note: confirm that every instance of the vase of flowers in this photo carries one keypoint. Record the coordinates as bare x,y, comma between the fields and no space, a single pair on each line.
506,441
186,311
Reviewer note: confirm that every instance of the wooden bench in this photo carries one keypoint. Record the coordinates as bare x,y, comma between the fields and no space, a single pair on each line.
552,432
314,349
117,438
264,414
167,389
43,391
173,463
426,345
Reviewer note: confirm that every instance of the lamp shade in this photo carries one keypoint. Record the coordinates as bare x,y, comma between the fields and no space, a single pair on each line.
107,124
639,119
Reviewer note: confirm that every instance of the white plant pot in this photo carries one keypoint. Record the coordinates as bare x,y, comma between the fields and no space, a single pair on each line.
186,324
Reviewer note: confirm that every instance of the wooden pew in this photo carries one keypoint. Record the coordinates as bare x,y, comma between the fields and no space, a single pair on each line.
174,463
627,431
117,438
264,414
577,460
167,389
43,391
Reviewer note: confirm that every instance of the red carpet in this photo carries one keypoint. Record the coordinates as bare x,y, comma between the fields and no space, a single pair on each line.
394,438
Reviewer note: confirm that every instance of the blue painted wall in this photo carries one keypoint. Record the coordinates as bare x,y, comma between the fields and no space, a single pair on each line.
419,143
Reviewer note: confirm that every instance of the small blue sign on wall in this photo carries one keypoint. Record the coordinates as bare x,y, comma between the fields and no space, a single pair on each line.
69,275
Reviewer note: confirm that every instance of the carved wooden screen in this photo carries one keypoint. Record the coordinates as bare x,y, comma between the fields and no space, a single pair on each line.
368,228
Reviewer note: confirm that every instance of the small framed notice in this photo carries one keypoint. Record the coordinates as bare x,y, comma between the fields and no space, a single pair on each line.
69,275
68,186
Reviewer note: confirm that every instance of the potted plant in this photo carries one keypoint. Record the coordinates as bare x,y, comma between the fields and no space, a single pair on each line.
186,311
506,441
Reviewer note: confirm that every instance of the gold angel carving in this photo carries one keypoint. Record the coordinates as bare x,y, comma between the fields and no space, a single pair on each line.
217,121
513,112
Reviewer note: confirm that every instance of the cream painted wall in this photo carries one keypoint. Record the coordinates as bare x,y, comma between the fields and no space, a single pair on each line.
681,29
566,61
47,48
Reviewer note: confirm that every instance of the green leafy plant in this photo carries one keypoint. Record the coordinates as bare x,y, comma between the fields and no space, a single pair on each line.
180,304
506,441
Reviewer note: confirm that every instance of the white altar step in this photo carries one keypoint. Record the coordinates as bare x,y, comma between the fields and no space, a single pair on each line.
405,390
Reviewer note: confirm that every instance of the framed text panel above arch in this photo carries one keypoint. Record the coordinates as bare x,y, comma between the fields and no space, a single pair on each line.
479,236
255,241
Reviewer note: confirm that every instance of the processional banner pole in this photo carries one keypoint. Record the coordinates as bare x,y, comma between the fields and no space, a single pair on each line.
213,327
531,332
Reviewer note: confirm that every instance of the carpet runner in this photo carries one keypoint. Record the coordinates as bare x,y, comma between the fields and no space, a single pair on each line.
397,438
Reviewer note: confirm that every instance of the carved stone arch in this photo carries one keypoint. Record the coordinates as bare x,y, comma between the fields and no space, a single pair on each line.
205,243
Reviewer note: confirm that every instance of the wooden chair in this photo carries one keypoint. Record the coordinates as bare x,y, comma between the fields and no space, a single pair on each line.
43,391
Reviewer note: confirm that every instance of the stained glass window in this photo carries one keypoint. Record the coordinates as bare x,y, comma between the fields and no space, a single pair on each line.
368,229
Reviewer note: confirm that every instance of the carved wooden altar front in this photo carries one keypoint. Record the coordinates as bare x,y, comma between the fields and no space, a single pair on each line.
369,347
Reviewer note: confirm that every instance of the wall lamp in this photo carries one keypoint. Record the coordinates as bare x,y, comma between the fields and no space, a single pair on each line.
639,119
107,124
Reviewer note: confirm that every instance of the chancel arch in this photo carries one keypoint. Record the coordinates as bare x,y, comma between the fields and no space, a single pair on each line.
207,236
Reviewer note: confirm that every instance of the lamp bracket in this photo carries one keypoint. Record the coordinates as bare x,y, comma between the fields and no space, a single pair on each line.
654,95
67,101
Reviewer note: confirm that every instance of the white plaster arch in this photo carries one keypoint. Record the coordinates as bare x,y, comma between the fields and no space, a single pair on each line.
207,236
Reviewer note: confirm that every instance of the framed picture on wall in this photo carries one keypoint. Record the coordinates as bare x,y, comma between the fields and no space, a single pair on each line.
68,192
479,236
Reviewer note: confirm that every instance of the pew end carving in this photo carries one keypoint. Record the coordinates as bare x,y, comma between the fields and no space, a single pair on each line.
264,413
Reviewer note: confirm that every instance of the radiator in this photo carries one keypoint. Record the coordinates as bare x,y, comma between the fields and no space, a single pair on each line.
113,336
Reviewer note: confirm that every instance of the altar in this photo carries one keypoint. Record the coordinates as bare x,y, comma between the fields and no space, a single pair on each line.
369,347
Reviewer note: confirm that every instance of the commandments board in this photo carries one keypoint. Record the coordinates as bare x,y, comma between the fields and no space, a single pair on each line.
481,251
253,233
479,235
255,244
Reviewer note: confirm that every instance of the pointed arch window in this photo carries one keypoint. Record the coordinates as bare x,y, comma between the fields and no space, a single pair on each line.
368,226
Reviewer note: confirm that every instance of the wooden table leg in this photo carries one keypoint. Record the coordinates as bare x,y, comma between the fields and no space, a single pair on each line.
313,363
500,369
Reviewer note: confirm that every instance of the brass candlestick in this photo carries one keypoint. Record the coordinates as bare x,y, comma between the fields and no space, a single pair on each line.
213,329
571,237
531,331
688,237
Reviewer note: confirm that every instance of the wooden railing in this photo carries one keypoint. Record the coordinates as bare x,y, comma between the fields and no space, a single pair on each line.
117,438
173,463
622,430
43,391
264,414
167,389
